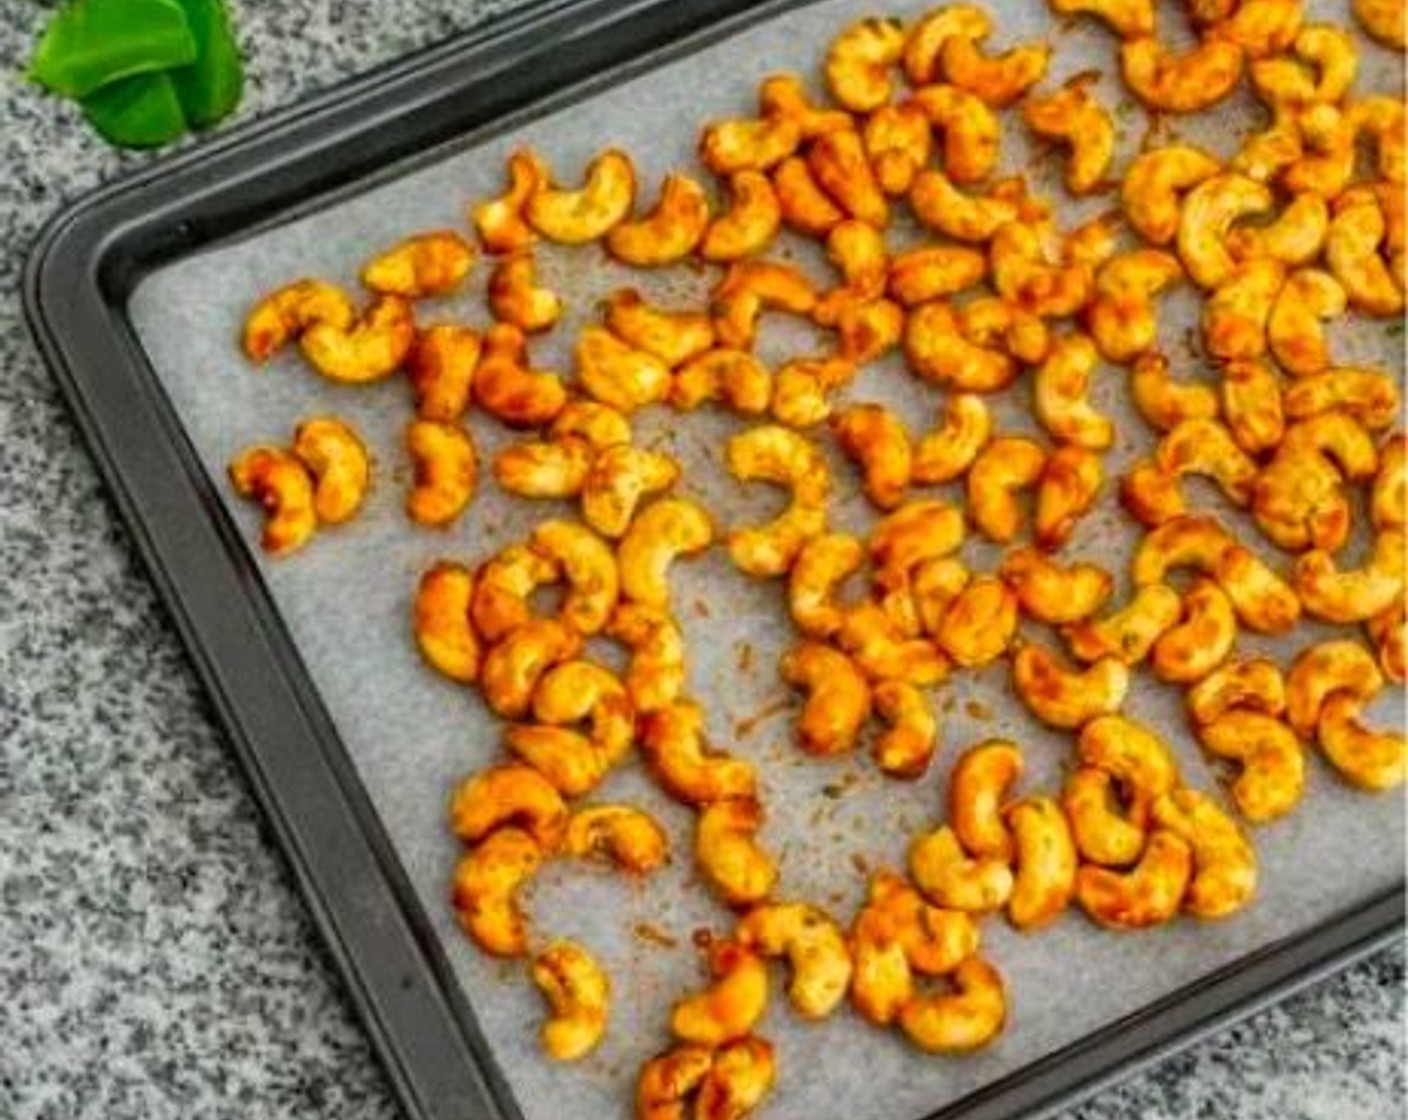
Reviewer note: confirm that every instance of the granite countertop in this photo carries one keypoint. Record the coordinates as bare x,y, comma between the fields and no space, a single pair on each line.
155,960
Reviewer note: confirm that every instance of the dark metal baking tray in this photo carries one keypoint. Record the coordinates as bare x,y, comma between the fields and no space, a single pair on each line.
80,274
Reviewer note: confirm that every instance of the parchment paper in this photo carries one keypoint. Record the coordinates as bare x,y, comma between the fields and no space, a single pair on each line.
412,736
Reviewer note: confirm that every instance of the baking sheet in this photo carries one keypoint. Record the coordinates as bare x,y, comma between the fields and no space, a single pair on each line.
411,736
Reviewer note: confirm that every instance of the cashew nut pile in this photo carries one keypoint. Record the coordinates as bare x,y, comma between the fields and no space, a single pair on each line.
1300,225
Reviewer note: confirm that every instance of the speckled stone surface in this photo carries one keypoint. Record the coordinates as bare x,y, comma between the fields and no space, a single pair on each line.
155,960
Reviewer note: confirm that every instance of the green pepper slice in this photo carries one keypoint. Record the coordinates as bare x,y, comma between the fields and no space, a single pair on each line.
138,112
93,42
211,87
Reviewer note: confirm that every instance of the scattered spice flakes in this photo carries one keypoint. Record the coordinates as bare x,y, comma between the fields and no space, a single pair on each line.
749,724
652,934
701,609
702,938
861,864
977,710
1394,330
948,703
745,657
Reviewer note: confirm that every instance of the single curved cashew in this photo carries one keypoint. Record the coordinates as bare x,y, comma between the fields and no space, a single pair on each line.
728,854
1294,239
937,351
1121,319
1190,82
1253,405
1262,599
996,80
805,207
1371,760
337,459
668,529
667,1081
1004,466
283,315
1028,270
779,455
618,374
786,95
948,451
749,288
924,44
1193,648
1266,155
978,787
446,468
815,949
1294,327
672,740
1194,541
822,565
1298,499
838,697
1388,501
1152,495
508,796
484,892
1102,833
503,586
443,631
745,144
1368,395
1354,595
839,164
1352,252
751,222
1209,210
877,440
800,397
515,296
567,694
932,272
1224,862
1078,122
859,62
1164,402
1152,188
670,232
1325,162
1054,594
1130,632
1262,28
675,337
505,387
1206,447
1066,492
740,1077
1272,777
1389,633
428,264
543,469
655,674
578,995
500,221
897,140
952,879
966,1019
372,348
513,666
979,623
1381,119
971,131
1322,670
596,425
283,485
1253,684
733,376
1129,19
1064,697
620,477
730,1007
882,981
1322,67
1046,859
868,330
1384,20
441,368
575,217
628,837
945,209
590,568
857,250
901,545
1148,894
1060,394
905,749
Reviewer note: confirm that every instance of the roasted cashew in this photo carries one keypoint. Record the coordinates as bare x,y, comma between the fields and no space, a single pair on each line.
1262,28
965,217
1152,188
1371,760
1064,697
1206,447
505,386
897,140
935,941
1381,119
429,264
1209,210
1224,862
1253,405
937,351
1352,252
785,95
815,949
567,694
750,287
822,565
283,485
1078,122
655,674
1026,269
932,272
728,854
484,892
858,252
948,451
728,1009
1004,466
1194,541
668,1080
337,459
906,747
667,234
868,330
372,348
978,787
1368,395
590,568
516,297
1193,648
1121,318
882,982
1130,632
500,221
283,315
900,545
675,337
966,1019
840,165
882,650
745,144
877,440
996,80
1294,239
508,796
578,994
503,586
732,376
1164,402
980,622
1298,499
1180,83
443,631
514,665
859,62
838,697
592,423
806,208
1060,394
1272,777
1355,595
800,397
1389,633
952,879
971,131
1325,160
441,368
1388,500
1152,495
1134,756
1384,20
1262,599
740,1077
1129,19
446,469
626,836
1294,328
750,223
670,528
1337,666
618,480
771,453
617,374
923,48
1066,492
1253,684
1267,155
1046,859
1054,594
575,217
1148,894
1102,833
672,741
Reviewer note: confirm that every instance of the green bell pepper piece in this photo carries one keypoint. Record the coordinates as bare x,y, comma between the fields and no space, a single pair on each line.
93,42
211,87
137,112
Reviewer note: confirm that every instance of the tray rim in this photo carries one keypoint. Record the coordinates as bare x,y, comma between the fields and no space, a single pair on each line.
80,269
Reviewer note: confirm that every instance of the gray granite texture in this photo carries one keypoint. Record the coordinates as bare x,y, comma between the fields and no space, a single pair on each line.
154,959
